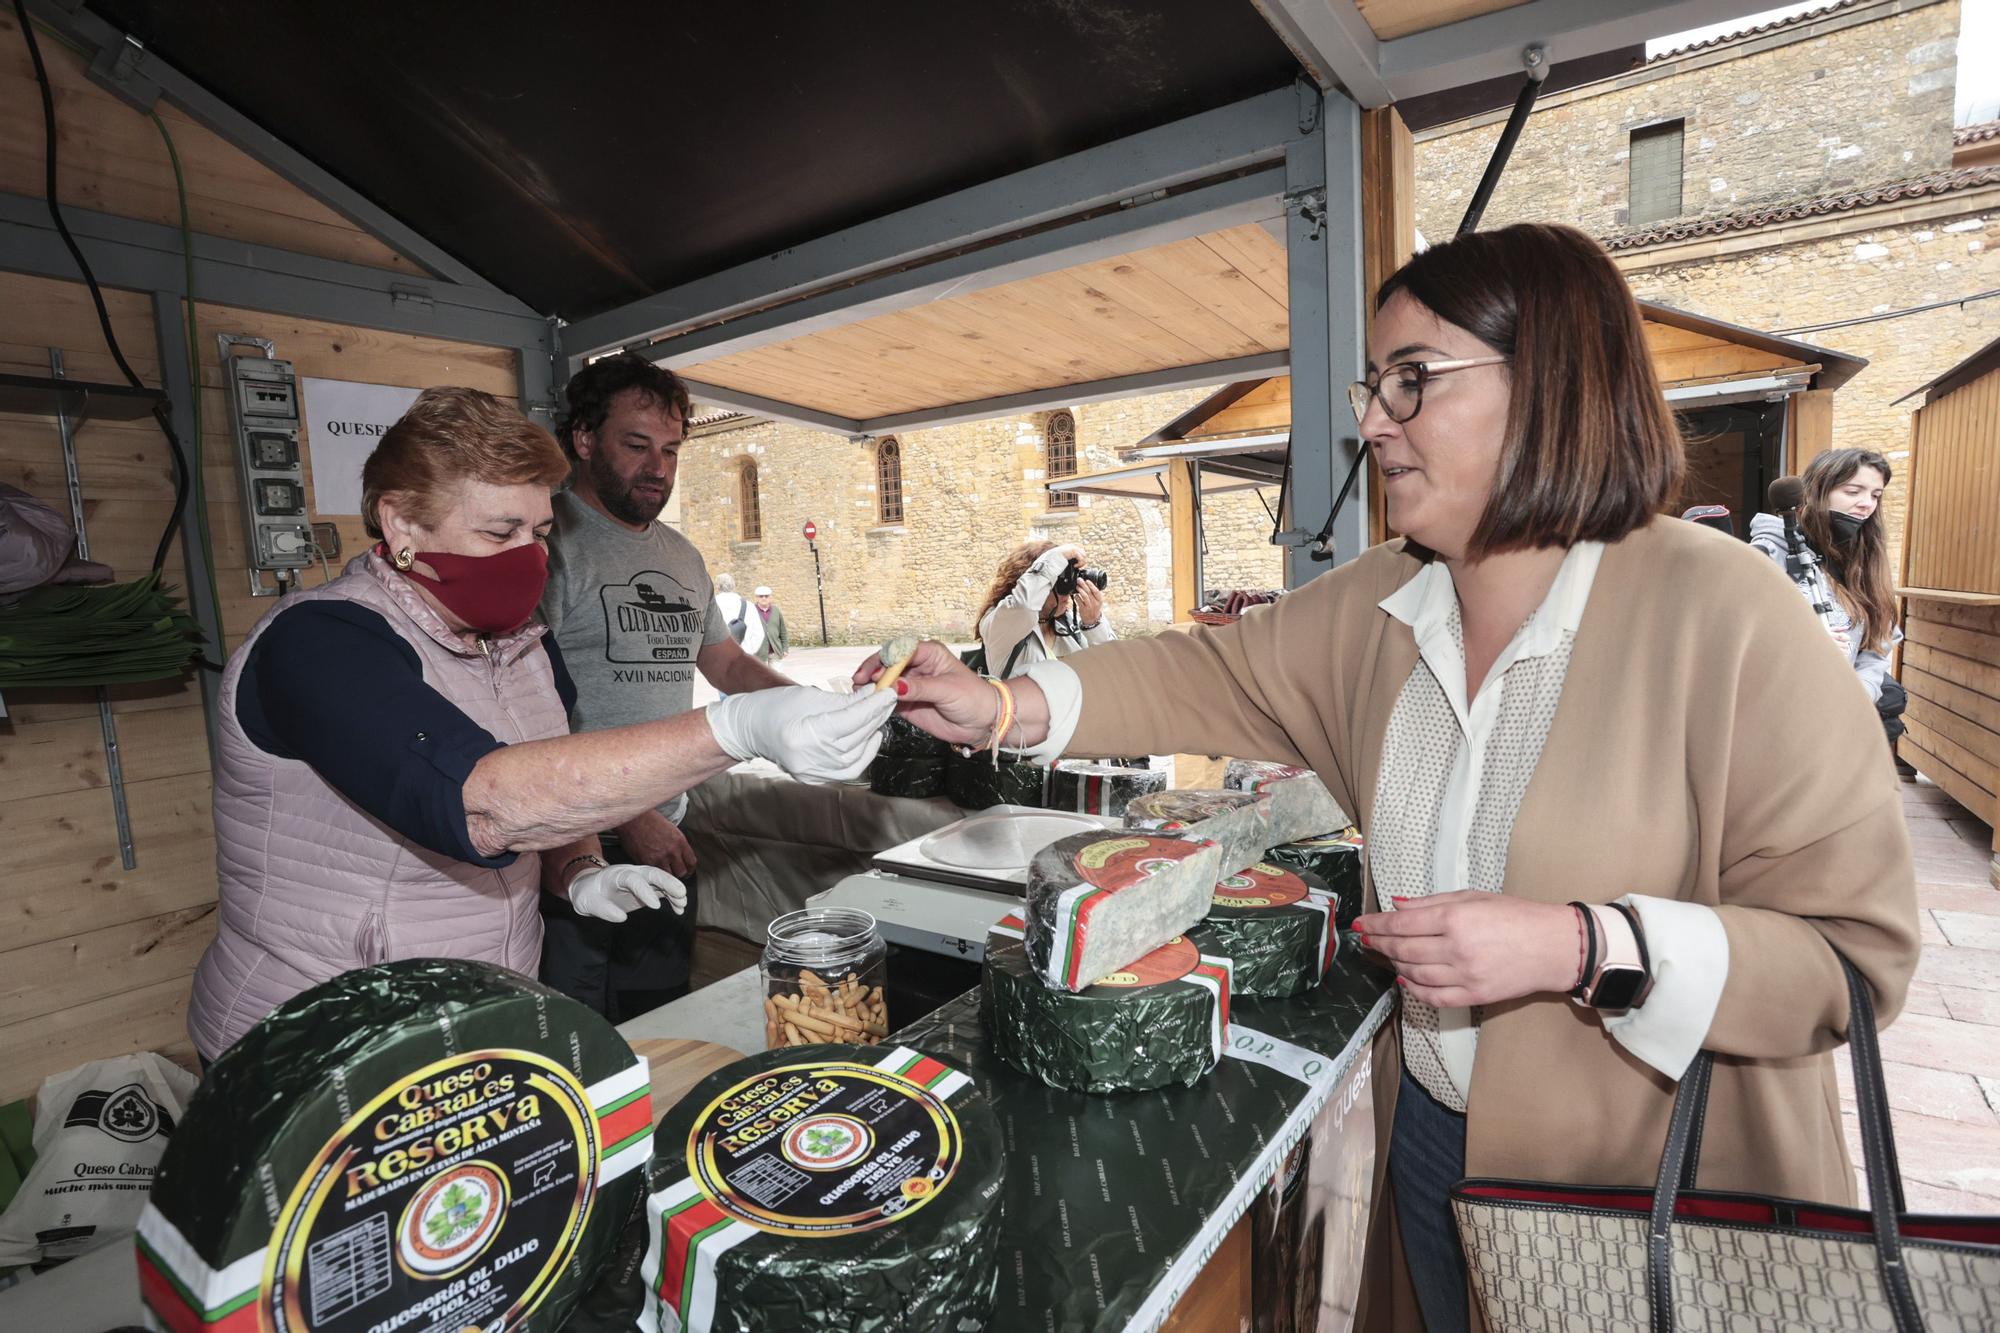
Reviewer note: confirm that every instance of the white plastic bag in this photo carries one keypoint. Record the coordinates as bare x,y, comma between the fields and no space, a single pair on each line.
99,1132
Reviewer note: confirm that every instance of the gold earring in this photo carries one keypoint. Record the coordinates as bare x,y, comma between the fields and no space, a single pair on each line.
404,559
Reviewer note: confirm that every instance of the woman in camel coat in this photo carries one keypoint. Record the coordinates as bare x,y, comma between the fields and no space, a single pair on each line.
1547,700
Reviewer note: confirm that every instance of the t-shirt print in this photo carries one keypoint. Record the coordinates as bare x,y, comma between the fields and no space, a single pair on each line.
652,618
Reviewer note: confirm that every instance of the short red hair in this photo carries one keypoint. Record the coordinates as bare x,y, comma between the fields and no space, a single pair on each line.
451,435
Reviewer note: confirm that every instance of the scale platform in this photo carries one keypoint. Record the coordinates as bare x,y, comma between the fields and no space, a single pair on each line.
941,892
989,850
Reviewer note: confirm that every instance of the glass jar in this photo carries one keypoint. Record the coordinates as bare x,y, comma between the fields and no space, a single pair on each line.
823,971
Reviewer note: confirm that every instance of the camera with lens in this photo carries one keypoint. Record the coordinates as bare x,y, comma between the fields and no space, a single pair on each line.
1066,581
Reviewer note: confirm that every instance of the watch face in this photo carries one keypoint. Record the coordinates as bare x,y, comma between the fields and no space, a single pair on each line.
1617,987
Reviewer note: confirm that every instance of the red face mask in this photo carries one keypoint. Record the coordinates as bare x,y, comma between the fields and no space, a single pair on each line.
490,593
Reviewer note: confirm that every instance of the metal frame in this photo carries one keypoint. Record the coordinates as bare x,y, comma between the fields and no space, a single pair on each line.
1336,45
146,256
1323,249
1173,177
124,66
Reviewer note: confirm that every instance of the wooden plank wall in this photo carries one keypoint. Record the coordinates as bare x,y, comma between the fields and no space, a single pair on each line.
1951,577
94,960
1954,523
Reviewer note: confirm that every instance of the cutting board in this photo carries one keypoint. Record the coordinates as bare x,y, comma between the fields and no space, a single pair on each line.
678,1064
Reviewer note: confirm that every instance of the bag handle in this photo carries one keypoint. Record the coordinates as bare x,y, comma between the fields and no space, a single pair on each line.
1878,1151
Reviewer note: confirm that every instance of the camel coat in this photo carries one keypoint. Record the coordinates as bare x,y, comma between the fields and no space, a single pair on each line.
1710,745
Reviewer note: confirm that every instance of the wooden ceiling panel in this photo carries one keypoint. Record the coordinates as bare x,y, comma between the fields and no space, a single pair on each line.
1391,19
1191,302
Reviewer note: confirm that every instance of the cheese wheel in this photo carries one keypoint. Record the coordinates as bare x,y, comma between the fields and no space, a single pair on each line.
1275,926
825,1188
1097,901
1336,859
429,1143
1100,789
1161,1020
1239,822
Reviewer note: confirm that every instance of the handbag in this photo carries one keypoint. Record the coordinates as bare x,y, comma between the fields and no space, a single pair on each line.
1558,1257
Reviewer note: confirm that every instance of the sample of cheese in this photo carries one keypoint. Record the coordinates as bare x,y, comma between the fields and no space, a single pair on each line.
429,1143
1255,774
1276,928
827,1188
1097,901
1237,821
1100,789
1301,807
1336,859
1159,1020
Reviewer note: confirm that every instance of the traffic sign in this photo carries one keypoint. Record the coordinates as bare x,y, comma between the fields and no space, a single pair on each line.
812,530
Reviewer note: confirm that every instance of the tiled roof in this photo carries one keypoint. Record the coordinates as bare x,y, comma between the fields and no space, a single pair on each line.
1943,182
1971,134
1757,31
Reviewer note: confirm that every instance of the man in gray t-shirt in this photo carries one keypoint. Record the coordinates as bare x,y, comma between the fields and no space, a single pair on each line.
631,606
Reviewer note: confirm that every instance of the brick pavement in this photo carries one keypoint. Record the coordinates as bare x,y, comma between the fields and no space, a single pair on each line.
1942,1056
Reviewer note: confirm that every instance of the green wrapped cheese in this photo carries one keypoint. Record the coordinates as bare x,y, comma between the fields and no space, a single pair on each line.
826,1189
429,1143
1239,822
907,775
1100,900
1276,928
1336,859
976,783
1161,1020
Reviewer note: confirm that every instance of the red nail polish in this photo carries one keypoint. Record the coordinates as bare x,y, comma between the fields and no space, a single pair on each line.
1394,899
902,687
1401,982
1362,935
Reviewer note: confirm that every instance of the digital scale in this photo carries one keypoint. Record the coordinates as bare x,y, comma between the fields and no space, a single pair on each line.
941,893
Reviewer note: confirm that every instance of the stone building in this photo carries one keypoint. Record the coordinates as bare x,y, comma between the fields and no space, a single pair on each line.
912,540
1797,178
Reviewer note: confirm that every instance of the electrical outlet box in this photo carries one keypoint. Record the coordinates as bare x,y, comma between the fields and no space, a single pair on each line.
263,395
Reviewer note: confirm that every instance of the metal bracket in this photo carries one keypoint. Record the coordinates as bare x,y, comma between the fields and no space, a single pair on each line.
1311,206
1310,101
407,294
116,69
225,341
259,588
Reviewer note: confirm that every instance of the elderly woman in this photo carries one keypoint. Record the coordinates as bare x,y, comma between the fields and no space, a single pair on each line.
396,776
1621,803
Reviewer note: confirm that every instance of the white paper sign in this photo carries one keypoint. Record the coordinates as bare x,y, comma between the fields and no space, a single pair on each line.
344,422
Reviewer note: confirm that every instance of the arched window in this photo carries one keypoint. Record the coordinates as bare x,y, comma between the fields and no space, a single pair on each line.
753,513
1062,457
889,482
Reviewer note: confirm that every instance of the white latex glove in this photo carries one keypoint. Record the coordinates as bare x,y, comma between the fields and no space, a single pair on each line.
814,735
612,893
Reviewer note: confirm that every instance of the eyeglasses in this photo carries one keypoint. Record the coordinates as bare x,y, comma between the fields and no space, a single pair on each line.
1401,387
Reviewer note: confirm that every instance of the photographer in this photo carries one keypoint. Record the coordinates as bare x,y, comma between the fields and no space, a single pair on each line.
1044,603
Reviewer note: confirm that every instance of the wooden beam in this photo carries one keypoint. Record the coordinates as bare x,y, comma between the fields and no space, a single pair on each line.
1185,530
1388,238
1809,416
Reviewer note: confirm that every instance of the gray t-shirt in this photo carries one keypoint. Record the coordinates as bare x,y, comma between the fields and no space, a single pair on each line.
629,610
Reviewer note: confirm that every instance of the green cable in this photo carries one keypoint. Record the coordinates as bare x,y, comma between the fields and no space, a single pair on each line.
199,480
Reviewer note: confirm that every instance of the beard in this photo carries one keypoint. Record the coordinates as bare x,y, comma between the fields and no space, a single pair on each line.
617,494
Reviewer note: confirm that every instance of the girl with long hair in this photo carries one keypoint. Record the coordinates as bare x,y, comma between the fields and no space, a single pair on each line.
1841,563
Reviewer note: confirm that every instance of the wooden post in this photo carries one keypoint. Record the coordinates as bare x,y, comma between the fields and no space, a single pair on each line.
1810,416
1388,238
1185,531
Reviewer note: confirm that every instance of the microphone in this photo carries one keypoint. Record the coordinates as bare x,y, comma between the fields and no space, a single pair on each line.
1787,494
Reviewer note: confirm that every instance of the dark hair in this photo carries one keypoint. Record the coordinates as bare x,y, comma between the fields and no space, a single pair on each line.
451,435
1860,569
591,390
1590,452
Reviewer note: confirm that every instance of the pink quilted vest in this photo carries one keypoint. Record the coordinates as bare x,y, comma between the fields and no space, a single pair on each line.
312,885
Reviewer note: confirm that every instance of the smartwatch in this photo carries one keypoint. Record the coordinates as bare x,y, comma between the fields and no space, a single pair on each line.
1618,975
